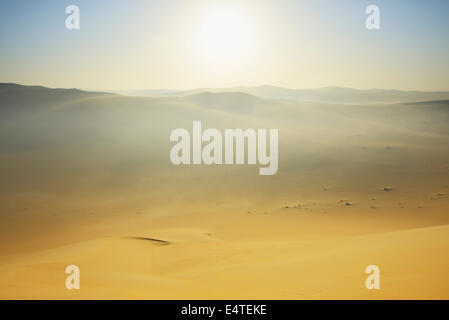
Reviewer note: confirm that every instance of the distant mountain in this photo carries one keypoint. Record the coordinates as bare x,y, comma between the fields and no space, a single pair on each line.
146,93
234,102
67,120
16,99
325,95
16,94
14,89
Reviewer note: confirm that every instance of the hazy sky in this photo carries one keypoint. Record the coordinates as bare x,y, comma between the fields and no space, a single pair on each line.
184,44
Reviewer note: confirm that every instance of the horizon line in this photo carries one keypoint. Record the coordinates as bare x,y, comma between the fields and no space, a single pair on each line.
215,88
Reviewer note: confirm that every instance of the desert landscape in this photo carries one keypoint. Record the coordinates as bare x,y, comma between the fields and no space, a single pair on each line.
86,179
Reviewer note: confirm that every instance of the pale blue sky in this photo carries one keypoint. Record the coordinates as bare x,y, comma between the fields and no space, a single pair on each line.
156,44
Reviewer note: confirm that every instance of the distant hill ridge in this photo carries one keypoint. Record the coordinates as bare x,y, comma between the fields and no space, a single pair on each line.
237,102
325,95
16,88
226,97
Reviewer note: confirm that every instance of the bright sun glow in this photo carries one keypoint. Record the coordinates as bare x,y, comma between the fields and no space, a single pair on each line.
225,36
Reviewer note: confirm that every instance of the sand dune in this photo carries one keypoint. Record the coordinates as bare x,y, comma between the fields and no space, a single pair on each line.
410,263
86,180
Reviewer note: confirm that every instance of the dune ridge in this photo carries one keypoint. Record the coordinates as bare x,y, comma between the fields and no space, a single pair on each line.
86,180
312,269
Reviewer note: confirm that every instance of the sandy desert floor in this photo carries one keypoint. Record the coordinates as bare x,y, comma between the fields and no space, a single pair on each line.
273,255
356,186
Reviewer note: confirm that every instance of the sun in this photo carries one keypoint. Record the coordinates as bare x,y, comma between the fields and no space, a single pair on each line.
225,36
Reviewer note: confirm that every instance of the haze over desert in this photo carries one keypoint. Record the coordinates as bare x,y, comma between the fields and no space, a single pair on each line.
224,150
88,181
